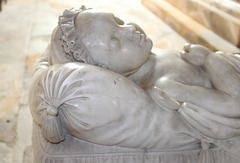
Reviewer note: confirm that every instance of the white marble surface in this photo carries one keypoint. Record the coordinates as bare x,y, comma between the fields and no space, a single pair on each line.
25,29
72,99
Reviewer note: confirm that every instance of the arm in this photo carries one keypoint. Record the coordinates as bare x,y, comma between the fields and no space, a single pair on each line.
223,68
224,72
213,100
102,107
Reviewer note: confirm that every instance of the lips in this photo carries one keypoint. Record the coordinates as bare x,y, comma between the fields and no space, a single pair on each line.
140,35
142,39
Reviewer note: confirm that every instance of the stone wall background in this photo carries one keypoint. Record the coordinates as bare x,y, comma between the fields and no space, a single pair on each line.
212,23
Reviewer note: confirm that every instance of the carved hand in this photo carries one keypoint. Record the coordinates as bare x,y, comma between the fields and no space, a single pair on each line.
195,54
163,99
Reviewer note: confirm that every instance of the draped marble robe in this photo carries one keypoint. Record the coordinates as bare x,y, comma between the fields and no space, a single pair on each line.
103,107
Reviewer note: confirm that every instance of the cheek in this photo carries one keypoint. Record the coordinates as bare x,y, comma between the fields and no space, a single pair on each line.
99,54
140,52
134,57
132,52
130,47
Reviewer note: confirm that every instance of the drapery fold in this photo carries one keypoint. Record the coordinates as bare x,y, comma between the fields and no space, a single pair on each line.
94,110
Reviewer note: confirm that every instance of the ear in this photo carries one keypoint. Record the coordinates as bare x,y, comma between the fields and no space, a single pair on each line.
78,53
77,56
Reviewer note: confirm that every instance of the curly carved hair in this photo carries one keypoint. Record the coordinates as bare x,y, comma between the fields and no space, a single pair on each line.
74,48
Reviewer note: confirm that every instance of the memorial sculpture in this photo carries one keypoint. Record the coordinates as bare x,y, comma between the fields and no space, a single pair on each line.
100,93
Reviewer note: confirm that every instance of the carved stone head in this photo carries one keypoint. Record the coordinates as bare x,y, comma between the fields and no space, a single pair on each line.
102,39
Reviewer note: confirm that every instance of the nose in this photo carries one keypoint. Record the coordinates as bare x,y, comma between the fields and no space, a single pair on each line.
128,29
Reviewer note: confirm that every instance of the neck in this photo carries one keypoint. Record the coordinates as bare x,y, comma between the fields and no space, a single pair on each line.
143,75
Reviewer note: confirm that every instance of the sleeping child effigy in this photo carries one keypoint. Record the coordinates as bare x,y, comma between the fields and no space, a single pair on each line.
100,81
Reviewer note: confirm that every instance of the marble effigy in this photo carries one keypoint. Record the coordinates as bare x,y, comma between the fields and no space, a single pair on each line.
100,93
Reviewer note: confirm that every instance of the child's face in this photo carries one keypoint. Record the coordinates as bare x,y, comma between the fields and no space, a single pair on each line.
111,43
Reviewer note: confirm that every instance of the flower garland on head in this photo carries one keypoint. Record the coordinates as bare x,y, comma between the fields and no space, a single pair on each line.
74,48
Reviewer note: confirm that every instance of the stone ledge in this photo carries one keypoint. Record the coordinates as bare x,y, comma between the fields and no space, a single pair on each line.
220,22
8,118
5,153
190,29
28,156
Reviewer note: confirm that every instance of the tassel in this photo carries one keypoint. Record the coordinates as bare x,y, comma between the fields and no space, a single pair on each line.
205,154
51,127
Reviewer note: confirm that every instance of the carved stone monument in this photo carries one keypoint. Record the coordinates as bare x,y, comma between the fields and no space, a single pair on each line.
100,94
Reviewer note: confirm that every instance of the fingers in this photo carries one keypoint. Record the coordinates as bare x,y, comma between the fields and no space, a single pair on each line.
194,54
186,56
205,124
185,53
230,122
186,47
163,99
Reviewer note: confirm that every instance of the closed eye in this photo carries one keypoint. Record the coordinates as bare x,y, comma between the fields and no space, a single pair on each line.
118,20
